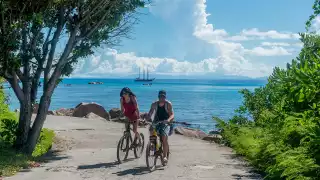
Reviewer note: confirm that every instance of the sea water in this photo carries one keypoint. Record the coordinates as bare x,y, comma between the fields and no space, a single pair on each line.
194,101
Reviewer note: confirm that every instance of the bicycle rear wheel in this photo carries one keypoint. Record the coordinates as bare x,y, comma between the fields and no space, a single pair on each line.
150,153
139,146
123,148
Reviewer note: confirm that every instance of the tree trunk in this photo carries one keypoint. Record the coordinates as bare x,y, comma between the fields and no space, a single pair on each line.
24,119
38,124
34,90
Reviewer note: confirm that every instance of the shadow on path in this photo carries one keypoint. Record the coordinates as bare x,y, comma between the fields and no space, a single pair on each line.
136,171
102,165
52,155
133,171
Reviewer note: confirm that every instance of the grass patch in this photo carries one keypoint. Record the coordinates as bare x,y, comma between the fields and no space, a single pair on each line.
11,161
45,142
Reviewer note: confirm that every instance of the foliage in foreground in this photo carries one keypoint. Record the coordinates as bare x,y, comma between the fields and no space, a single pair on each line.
283,140
10,160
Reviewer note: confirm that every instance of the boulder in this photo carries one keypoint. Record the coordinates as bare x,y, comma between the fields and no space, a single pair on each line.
183,123
143,123
213,138
190,132
214,132
83,109
92,116
144,116
64,112
115,113
52,113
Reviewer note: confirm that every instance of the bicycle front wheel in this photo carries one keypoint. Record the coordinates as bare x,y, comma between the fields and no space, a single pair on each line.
151,157
123,149
139,146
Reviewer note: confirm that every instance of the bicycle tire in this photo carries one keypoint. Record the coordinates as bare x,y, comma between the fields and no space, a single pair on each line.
123,138
148,149
136,153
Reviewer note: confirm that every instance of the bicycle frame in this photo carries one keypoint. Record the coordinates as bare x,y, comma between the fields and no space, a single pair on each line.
153,138
127,131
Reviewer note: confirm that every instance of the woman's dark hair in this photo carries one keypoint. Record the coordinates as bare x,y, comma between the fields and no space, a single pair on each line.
126,90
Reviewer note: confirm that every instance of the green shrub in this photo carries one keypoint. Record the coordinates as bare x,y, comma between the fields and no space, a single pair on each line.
283,138
44,143
8,129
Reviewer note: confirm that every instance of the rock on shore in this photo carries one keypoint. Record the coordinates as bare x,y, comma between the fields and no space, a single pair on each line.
115,113
83,109
194,133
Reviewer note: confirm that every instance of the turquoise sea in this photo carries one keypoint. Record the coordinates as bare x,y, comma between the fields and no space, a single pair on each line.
194,101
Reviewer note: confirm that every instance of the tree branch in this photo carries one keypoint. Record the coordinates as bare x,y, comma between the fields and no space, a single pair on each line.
63,60
88,34
15,86
24,55
45,46
54,42
20,75
93,12
34,41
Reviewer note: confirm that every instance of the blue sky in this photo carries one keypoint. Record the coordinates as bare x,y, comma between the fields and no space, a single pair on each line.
210,38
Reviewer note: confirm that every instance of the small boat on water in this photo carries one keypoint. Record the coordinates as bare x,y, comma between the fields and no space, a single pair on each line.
148,84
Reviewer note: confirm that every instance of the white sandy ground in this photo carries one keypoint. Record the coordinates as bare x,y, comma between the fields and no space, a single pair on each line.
90,153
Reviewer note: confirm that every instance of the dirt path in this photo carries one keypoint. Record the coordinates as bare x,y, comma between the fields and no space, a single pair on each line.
90,153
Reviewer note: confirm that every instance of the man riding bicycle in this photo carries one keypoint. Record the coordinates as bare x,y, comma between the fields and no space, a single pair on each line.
163,113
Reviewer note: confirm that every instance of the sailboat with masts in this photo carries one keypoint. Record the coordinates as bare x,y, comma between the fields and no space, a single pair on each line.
139,79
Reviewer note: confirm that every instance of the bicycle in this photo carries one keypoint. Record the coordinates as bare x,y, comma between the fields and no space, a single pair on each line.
126,143
155,148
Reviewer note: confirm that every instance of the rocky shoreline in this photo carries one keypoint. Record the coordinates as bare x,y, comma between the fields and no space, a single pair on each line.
94,110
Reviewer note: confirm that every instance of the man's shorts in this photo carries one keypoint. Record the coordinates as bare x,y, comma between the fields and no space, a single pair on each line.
162,129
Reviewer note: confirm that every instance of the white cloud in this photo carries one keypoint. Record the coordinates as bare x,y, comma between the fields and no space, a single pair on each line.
112,62
274,51
315,26
300,44
271,34
274,44
202,29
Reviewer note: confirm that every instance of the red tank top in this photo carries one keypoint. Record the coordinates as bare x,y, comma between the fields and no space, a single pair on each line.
130,111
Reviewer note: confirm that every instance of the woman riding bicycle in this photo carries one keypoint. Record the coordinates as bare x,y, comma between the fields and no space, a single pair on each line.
130,109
